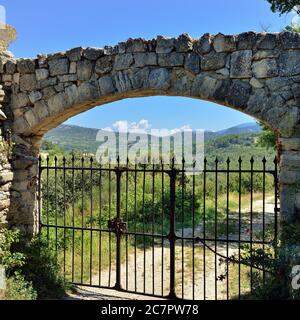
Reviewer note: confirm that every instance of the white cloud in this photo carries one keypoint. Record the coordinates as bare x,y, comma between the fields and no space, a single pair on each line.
182,128
125,126
144,126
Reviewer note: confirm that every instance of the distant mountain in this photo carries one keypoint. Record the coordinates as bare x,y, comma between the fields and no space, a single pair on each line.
250,127
72,137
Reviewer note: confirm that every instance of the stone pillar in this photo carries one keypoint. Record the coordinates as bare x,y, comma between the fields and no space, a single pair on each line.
289,178
6,177
7,35
24,204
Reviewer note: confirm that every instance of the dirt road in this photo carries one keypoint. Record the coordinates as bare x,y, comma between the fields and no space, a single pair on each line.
149,271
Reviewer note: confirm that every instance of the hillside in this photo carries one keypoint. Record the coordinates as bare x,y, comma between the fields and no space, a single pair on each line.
233,142
71,137
251,127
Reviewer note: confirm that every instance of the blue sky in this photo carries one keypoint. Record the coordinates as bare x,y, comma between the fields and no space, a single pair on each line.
50,26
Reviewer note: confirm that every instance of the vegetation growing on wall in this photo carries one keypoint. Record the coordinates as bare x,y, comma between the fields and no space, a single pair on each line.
31,270
267,138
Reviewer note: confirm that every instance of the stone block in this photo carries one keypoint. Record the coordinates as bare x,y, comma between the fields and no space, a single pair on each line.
255,83
173,59
48,92
93,53
139,77
16,78
239,94
88,91
192,62
106,85
265,68
278,83
159,79
184,43
204,86
204,44
241,64
47,82
68,78
28,82
10,67
123,61
74,54
84,70
19,100
122,82
26,66
145,59
31,117
6,177
104,65
135,45
289,63
246,40
264,54
73,67
213,61
57,102
41,74
223,72
165,45
59,67
267,41
224,43
41,109
290,40
35,96
7,78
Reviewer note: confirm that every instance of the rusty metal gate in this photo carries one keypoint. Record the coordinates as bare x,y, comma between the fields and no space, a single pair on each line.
160,230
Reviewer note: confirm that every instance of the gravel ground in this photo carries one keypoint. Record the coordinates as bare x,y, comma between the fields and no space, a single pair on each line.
145,272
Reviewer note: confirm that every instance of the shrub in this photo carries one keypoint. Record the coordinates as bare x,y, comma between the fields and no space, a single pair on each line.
42,270
31,268
278,267
18,288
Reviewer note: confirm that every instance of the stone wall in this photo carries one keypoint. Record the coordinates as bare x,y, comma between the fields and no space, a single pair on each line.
6,119
256,73
6,177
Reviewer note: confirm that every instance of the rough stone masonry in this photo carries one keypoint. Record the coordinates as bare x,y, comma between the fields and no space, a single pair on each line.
255,73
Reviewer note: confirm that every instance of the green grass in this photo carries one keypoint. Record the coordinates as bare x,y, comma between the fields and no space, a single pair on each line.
94,250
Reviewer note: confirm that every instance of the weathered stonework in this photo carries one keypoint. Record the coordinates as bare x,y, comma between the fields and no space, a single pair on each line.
9,78
255,73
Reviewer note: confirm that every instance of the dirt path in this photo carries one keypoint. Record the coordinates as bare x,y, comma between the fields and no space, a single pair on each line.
149,271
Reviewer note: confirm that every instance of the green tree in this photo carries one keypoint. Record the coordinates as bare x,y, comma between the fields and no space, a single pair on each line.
51,148
293,28
267,138
284,6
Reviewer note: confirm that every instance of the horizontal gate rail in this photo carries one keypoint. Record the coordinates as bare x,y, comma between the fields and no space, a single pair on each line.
160,230
196,239
169,171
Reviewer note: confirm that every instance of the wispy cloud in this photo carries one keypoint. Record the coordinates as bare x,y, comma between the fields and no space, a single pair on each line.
144,126
125,126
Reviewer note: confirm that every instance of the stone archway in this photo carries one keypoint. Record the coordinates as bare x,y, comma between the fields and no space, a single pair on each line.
256,73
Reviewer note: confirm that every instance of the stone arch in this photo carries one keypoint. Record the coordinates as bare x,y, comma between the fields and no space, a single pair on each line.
255,73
